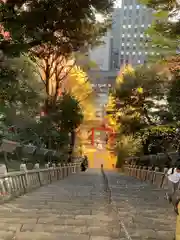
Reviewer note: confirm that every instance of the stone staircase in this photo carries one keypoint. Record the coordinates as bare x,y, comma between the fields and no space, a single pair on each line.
92,205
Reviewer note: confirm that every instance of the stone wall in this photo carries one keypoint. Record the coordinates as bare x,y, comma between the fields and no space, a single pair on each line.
147,174
14,184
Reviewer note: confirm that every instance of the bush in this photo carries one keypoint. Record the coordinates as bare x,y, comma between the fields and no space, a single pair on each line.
128,146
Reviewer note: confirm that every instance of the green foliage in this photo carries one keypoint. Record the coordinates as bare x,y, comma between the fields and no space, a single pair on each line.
67,24
128,146
165,31
70,113
174,98
137,97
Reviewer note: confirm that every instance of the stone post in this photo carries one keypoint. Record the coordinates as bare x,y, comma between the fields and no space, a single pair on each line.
46,165
154,175
36,166
23,168
165,170
144,173
140,172
148,173
165,180
64,169
3,171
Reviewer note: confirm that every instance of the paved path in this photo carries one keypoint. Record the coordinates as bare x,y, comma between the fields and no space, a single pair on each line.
143,211
76,208
79,208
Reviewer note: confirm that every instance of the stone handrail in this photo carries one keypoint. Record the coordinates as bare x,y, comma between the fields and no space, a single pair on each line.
14,184
147,174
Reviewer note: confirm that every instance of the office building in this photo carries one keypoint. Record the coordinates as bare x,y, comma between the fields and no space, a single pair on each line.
128,34
101,54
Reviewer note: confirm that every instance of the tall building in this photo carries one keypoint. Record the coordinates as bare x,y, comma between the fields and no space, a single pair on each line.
129,24
101,54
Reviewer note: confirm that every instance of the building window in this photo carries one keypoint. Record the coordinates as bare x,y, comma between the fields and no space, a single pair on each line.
129,26
123,35
124,26
127,44
133,53
139,61
127,53
142,25
137,6
135,35
121,61
125,7
129,35
146,53
122,44
130,7
143,18
122,53
140,53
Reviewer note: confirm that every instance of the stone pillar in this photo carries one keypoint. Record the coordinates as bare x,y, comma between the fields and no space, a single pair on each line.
148,177
165,170
36,166
23,168
3,181
144,173
156,169
46,165
154,175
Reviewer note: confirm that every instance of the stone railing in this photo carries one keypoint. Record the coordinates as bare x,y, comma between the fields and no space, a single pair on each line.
153,159
14,184
147,174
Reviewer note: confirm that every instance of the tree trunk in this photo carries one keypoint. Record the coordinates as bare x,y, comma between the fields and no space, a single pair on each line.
72,143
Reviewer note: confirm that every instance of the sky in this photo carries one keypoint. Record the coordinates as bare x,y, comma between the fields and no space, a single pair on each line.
99,16
118,3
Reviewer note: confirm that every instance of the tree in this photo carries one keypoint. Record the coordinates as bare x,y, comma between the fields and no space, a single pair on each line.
139,104
68,25
78,86
70,117
138,95
173,98
165,30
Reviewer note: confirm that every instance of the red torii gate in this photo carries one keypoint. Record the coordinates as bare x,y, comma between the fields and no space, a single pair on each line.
104,129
